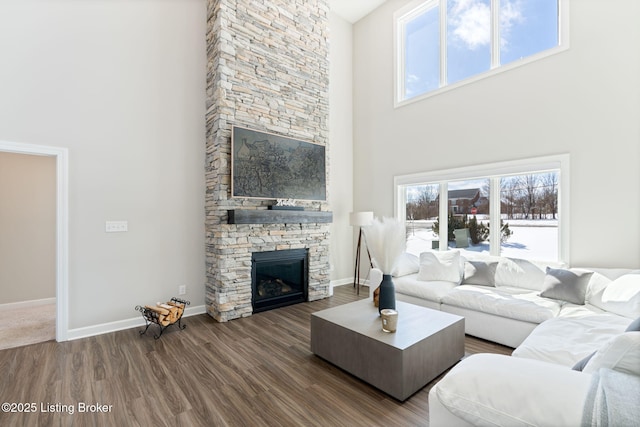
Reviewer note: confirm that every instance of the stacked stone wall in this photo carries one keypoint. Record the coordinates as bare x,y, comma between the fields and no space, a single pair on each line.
267,70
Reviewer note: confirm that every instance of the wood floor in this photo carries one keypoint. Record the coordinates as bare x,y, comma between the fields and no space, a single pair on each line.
256,371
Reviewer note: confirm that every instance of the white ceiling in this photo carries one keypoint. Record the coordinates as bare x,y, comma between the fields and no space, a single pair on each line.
353,10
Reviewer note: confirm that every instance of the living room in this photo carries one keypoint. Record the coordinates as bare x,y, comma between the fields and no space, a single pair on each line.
122,86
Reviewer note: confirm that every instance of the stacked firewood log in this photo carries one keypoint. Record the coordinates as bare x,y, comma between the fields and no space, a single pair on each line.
168,313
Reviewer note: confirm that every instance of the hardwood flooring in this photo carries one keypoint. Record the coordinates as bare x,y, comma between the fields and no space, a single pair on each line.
256,371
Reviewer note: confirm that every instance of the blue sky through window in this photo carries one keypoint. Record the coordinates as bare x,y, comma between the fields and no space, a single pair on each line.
468,38
526,27
422,46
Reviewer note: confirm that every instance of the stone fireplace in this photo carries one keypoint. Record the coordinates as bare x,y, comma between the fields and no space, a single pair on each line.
267,70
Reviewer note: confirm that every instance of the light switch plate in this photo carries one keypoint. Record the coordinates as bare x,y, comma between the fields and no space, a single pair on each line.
116,226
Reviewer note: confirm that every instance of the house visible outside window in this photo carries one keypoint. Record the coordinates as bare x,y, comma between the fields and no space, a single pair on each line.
512,209
445,43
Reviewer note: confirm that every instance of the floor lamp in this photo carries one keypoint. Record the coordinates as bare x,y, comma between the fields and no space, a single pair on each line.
360,219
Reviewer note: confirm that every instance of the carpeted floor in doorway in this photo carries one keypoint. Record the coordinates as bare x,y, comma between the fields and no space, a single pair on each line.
23,326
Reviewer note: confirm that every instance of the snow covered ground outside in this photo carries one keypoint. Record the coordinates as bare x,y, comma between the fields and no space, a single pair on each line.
531,239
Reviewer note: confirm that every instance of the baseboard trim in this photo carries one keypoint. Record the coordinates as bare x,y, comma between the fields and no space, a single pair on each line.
119,325
340,282
349,281
27,304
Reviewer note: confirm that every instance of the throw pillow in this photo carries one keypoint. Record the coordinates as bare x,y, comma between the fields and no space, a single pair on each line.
566,285
445,266
579,366
621,353
633,326
622,296
481,273
520,273
406,264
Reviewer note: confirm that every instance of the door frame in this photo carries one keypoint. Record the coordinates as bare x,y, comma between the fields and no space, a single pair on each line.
61,155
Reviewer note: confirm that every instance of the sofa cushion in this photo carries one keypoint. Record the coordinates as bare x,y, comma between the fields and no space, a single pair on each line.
514,303
566,285
431,291
520,273
597,283
482,273
621,296
565,340
488,390
621,353
406,264
445,266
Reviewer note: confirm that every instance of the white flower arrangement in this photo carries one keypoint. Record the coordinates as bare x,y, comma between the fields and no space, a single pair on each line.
386,240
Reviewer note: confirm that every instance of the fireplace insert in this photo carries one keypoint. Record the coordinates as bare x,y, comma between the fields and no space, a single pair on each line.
279,278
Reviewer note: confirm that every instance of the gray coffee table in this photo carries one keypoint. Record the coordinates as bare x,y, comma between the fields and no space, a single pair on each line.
426,344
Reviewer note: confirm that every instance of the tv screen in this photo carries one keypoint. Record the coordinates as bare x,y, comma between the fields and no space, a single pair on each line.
269,166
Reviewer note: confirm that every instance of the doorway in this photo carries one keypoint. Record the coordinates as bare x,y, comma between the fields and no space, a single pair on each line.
61,225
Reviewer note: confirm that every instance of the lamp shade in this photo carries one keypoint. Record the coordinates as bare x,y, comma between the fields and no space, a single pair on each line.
360,218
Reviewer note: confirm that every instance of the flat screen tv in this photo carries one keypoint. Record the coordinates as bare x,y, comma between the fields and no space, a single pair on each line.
269,166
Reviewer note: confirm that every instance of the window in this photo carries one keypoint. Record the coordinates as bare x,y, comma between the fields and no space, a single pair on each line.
529,207
421,211
445,43
511,209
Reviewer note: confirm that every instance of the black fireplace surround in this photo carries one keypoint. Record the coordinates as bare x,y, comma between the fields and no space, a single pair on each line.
279,278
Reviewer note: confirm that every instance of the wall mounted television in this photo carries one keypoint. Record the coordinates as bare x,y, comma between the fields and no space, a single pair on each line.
269,166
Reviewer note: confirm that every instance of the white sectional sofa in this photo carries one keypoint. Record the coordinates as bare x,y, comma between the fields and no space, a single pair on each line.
553,317
500,298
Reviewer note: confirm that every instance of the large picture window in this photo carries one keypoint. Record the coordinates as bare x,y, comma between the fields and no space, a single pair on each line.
511,209
445,43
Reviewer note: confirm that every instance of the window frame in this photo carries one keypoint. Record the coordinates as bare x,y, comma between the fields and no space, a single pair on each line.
415,8
494,172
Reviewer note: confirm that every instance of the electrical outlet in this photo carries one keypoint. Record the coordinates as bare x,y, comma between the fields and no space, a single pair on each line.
182,289
116,227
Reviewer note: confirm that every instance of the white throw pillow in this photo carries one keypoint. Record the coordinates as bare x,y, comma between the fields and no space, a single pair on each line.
520,273
446,266
621,353
406,264
622,296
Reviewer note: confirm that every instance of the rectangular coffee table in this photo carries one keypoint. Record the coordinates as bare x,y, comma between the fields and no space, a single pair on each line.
426,343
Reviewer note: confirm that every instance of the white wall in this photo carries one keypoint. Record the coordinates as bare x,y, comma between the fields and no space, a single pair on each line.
27,227
122,85
341,148
584,101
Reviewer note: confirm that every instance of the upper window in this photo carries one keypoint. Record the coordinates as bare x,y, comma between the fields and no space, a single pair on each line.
445,42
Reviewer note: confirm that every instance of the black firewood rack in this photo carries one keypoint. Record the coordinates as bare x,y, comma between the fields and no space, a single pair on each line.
152,315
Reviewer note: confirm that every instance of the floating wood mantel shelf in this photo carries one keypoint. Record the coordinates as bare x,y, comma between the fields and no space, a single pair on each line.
263,216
